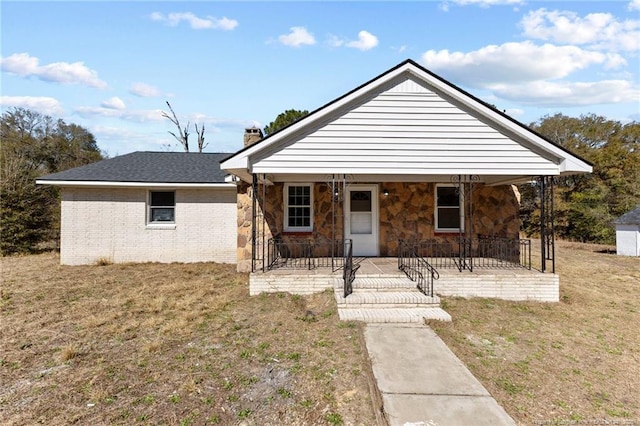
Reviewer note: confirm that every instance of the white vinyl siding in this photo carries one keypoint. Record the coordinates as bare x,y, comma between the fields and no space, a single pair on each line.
298,207
406,130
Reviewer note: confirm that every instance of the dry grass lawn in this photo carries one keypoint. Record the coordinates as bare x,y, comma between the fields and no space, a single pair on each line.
171,344
573,362
185,344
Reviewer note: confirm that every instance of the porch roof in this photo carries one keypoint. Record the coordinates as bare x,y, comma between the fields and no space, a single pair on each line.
406,124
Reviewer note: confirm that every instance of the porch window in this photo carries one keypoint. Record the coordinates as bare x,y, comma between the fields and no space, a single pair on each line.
448,212
298,207
162,207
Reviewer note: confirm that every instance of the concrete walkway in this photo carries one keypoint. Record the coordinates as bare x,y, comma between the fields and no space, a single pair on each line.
423,383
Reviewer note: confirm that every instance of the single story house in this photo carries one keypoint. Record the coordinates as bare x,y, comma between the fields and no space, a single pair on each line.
406,165
628,233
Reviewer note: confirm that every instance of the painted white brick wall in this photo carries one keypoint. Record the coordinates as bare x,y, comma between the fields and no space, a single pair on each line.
517,287
539,287
110,223
295,284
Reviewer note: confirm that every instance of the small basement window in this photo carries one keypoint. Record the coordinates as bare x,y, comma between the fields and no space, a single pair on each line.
449,215
298,207
162,207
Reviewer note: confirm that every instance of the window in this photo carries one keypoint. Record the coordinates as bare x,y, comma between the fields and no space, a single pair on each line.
298,207
448,212
162,207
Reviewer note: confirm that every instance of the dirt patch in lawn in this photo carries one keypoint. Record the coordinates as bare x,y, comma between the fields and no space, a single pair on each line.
573,362
172,344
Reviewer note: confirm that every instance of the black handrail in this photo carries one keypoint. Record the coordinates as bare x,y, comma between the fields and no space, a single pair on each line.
416,268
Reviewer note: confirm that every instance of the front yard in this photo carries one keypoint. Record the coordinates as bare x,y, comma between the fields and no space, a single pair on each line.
171,344
574,362
185,344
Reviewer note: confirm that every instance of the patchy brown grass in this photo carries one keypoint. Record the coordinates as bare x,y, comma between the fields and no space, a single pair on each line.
573,362
171,344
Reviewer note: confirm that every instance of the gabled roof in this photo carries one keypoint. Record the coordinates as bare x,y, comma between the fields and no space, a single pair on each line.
559,159
629,218
145,169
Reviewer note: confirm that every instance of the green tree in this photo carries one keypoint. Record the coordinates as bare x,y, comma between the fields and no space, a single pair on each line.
586,204
34,144
284,119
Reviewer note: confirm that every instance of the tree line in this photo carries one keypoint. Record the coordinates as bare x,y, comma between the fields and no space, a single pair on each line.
33,144
585,205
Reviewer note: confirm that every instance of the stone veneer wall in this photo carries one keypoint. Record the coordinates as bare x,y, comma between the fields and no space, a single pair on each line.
406,213
273,208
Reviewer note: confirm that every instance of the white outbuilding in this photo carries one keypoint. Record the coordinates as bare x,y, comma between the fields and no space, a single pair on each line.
628,233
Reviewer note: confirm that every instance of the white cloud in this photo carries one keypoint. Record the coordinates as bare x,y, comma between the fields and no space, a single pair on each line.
444,6
297,37
597,30
42,104
366,41
195,22
514,112
559,94
634,5
138,116
335,41
144,90
25,65
113,103
515,63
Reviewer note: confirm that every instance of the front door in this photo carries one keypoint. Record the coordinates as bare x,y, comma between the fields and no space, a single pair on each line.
361,219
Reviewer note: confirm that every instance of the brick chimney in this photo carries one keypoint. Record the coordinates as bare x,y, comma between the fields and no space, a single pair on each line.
252,135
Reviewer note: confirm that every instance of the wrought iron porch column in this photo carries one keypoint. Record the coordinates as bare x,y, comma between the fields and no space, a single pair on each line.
464,188
264,219
547,223
254,199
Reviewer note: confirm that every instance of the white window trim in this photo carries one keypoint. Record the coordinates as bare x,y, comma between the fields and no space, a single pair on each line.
161,225
285,196
460,207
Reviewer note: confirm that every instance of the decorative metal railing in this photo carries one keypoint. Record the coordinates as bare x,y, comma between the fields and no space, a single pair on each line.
306,253
470,253
302,253
349,273
416,268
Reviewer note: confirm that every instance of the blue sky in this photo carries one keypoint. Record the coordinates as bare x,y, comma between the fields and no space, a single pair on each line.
111,66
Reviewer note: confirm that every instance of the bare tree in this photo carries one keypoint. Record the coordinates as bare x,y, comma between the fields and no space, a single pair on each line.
183,134
200,132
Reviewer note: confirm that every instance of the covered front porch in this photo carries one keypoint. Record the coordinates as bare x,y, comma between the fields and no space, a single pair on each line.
459,238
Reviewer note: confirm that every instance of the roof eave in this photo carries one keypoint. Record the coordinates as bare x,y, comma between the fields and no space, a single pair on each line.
117,184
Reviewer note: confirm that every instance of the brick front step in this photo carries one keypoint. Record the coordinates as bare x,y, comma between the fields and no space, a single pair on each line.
386,299
383,284
394,315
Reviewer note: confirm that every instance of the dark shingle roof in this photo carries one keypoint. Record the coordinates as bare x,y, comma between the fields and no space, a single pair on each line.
164,167
629,218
